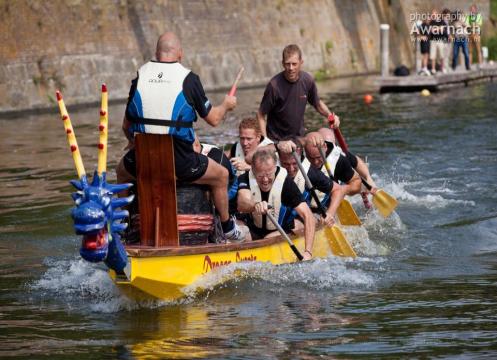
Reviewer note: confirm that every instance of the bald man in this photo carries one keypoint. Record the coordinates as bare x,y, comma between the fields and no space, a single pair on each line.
165,98
341,168
357,163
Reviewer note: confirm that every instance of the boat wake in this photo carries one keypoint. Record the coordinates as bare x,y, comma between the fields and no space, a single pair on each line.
82,286
438,196
330,273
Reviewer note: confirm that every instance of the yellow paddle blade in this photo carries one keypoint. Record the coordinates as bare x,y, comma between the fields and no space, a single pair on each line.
346,214
384,202
338,242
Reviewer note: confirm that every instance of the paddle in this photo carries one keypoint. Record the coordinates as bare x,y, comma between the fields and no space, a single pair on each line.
345,211
339,244
235,83
284,234
384,202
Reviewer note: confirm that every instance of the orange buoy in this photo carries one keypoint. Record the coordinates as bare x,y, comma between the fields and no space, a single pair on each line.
368,98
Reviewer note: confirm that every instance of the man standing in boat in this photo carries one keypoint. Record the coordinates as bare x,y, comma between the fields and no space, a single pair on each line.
332,192
266,186
285,99
341,168
250,140
165,99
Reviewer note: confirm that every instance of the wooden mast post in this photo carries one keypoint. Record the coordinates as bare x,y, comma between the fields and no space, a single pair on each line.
156,181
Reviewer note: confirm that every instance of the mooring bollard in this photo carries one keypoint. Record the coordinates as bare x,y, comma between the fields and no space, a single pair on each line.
384,29
484,51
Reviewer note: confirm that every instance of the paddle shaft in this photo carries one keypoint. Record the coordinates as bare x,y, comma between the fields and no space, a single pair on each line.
232,92
284,234
326,165
338,133
344,146
308,184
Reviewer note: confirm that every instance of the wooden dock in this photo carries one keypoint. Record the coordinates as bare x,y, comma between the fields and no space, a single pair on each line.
460,77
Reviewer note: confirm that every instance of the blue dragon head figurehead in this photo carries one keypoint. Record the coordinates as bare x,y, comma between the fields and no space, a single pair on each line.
97,216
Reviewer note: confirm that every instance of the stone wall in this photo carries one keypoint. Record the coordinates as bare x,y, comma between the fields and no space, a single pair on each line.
75,45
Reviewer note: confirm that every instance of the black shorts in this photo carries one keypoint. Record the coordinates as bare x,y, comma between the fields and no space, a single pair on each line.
189,165
425,46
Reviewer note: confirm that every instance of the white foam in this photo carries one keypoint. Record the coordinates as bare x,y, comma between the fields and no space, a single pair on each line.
76,281
318,274
361,243
398,190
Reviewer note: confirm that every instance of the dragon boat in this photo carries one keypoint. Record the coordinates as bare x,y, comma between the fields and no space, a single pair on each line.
173,251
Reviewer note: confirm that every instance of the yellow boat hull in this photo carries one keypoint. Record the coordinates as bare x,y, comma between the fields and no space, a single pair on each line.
165,274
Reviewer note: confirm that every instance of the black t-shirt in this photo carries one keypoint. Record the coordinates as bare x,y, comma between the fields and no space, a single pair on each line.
290,195
351,158
192,89
343,171
284,104
319,181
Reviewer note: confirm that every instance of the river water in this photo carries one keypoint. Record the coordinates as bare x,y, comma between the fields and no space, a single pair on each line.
424,285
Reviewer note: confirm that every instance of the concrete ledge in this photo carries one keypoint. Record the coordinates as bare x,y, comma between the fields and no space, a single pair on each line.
436,82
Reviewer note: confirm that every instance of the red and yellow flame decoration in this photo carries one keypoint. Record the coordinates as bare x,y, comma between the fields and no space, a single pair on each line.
71,136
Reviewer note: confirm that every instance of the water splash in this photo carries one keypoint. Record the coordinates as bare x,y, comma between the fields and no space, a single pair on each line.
80,284
432,200
332,273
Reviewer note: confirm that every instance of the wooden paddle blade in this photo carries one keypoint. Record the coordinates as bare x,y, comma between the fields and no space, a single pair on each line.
338,242
347,215
384,202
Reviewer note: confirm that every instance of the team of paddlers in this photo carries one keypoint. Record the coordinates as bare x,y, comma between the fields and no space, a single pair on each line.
263,171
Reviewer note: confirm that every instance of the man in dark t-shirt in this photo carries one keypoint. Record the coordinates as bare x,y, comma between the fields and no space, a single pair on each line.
331,193
267,185
341,168
285,99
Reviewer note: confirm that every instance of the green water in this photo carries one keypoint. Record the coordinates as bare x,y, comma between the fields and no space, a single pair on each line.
425,284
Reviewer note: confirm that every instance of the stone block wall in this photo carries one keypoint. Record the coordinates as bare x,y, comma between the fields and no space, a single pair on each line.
75,45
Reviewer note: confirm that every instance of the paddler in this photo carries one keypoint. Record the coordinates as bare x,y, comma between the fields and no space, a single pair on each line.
332,191
268,185
250,140
341,168
285,99
357,163
165,98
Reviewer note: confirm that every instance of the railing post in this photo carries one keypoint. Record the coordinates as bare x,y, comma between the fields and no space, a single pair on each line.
384,30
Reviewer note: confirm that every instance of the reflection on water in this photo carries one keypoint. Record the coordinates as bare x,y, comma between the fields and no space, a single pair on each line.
423,286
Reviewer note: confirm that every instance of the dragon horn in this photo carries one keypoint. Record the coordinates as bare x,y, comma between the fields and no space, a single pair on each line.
103,127
71,136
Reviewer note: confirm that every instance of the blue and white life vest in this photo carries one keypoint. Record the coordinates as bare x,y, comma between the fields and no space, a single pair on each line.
279,211
158,105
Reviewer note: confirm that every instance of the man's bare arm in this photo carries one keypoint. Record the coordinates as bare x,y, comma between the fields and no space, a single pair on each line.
261,118
309,224
323,109
245,202
217,113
